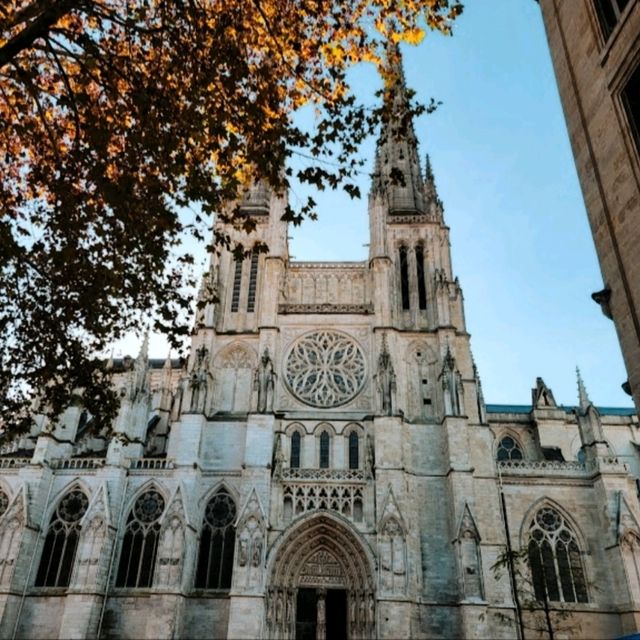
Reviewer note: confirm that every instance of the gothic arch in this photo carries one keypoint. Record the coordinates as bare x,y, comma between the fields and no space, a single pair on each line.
77,484
545,501
295,426
320,551
221,485
149,485
501,434
324,426
234,366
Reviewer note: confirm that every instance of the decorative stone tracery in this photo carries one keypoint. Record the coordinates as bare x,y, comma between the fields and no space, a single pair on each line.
325,369
321,552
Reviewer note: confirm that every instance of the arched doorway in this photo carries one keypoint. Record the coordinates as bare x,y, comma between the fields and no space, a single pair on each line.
321,583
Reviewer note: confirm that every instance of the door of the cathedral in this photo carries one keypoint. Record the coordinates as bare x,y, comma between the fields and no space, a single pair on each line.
321,614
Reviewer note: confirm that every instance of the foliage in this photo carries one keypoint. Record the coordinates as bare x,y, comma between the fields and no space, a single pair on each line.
541,616
117,115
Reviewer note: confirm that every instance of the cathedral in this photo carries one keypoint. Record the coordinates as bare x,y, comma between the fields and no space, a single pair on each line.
324,465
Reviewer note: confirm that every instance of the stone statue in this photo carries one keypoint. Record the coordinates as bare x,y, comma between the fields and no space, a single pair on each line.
451,386
243,552
263,383
386,381
199,381
256,555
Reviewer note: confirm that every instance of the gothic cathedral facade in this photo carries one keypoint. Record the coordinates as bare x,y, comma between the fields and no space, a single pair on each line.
324,466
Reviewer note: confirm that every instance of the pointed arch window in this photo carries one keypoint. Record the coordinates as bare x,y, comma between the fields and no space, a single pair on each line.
294,461
253,280
354,450
555,559
61,543
422,291
508,449
324,449
140,542
217,542
404,277
237,283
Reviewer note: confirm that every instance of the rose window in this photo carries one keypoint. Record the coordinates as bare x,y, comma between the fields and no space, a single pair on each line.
325,369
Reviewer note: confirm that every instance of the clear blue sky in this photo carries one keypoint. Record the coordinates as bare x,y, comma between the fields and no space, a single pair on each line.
520,238
519,233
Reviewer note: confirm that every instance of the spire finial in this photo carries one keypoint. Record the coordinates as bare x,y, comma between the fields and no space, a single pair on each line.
583,397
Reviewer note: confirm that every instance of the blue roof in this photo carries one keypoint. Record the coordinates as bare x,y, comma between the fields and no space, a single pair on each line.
526,408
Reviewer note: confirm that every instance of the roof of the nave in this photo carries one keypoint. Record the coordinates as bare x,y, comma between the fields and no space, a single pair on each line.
527,408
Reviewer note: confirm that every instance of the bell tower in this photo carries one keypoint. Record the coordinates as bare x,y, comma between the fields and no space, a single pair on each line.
409,241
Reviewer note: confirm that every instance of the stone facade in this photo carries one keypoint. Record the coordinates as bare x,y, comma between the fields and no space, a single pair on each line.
323,465
595,49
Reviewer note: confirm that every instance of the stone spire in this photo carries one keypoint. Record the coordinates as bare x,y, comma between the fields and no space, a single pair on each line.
138,379
583,397
397,174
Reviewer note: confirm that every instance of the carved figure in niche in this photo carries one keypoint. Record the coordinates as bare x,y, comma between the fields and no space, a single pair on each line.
243,551
371,461
372,611
279,607
451,386
392,556
386,378
171,552
256,556
263,383
322,614
470,566
200,381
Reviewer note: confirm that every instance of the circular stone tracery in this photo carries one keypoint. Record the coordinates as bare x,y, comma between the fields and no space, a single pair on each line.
325,369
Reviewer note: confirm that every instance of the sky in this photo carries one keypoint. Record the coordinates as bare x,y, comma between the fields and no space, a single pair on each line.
520,238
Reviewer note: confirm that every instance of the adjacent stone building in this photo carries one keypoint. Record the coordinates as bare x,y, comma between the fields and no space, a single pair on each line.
324,466
595,46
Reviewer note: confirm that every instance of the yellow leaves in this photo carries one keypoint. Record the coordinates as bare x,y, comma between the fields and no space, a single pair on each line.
412,36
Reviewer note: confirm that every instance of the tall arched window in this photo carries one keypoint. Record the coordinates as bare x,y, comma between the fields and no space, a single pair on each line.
61,543
354,450
324,450
555,559
253,280
508,449
217,541
404,277
237,284
294,461
422,291
140,542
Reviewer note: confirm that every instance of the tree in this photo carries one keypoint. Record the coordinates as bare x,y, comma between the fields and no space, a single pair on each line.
532,596
115,116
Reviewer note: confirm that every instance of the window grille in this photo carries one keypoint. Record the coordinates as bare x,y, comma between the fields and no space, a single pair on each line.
140,542
217,541
609,12
422,291
253,279
294,461
354,453
555,559
324,450
237,283
61,543
404,277
509,449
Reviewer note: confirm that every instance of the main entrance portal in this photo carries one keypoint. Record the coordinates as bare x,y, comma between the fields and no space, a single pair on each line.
322,585
321,614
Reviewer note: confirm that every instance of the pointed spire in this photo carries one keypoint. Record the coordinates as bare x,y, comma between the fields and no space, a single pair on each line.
138,379
583,397
398,176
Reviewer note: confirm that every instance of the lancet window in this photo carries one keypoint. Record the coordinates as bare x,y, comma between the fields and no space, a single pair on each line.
61,543
237,284
555,559
422,291
294,460
140,542
253,280
508,449
354,450
404,277
217,541
325,441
